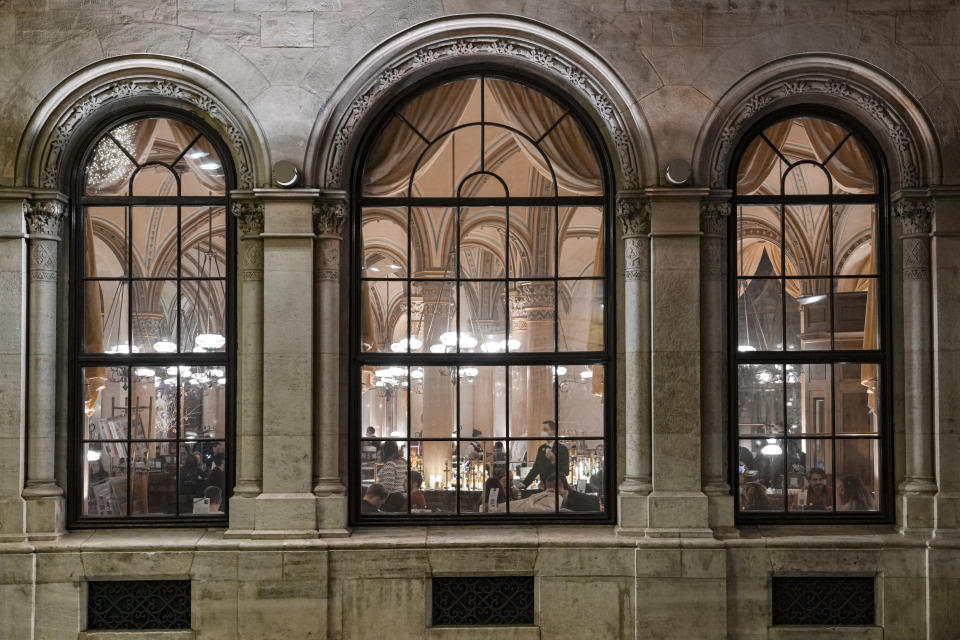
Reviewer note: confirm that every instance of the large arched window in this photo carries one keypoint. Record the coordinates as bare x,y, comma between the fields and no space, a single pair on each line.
482,338
809,328
152,329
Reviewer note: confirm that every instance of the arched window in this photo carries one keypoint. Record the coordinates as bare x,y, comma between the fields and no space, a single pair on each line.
482,336
152,332
809,327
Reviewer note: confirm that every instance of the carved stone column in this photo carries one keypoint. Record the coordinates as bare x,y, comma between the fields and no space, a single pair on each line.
249,214
714,212
329,214
915,212
45,516
633,214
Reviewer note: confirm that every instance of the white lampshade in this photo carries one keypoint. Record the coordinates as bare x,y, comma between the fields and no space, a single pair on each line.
144,372
92,455
210,340
164,346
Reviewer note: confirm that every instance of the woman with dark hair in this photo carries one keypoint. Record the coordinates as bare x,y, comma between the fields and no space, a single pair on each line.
853,496
393,472
753,497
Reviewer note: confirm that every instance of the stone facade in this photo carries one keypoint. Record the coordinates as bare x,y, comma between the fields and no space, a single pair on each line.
663,80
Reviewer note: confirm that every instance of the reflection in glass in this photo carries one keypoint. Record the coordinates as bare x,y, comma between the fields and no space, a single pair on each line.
203,242
384,231
384,400
581,246
153,404
202,401
580,400
857,398
760,406
154,311
203,315
105,327
104,479
808,314
809,408
581,315
106,242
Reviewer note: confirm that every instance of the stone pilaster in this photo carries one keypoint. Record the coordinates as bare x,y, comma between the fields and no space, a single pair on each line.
677,505
286,507
44,497
329,215
249,214
13,362
633,216
714,212
915,213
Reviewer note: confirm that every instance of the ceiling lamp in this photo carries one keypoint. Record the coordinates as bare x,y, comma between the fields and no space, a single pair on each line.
210,341
123,348
164,346
771,448
144,372
437,348
811,298
746,347
586,374
490,346
512,344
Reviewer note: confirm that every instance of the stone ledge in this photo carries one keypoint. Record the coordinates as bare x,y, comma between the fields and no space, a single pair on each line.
185,634
823,633
484,633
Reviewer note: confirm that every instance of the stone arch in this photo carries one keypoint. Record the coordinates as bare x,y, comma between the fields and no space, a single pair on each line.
528,46
876,101
156,81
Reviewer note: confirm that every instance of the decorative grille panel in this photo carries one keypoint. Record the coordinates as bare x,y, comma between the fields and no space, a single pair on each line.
474,601
138,604
823,600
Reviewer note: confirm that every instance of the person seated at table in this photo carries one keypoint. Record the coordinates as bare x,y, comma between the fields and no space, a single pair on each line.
753,497
570,499
373,499
853,496
394,469
818,498
498,482
395,503
414,484
552,457
816,477
214,494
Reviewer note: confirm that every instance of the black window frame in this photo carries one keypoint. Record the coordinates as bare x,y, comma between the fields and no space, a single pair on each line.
82,151
358,358
883,355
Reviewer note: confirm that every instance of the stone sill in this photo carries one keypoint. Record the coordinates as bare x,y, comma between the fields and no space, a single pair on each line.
184,634
484,633
824,633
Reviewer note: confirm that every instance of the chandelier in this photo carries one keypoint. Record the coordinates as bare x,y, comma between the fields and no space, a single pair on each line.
109,163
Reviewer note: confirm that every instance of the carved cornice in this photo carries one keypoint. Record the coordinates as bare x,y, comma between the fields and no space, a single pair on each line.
713,217
44,217
329,216
249,215
633,214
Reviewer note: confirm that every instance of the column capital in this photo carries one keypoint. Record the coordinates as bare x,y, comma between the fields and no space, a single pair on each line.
915,210
329,213
44,217
249,214
714,211
633,213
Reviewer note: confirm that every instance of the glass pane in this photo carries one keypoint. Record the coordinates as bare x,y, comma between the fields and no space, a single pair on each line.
434,401
532,242
105,402
391,160
534,308
854,240
154,237
761,167
855,313
384,232
105,249
584,480
806,178
437,462
105,328
154,479
193,479
856,395
499,486
203,315
580,400
204,242
574,161
434,319
154,180
760,314
758,241
476,459
444,106
531,401
153,404
760,404
761,474
538,114
483,232
810,475
447,162
483,409
808,314
383,315
383,404
519,162
581,315
154,319
488,185
109,169
581,241
202,172
809,404
203,402
433,243
105,479
482,305
858,471
808,239
851,169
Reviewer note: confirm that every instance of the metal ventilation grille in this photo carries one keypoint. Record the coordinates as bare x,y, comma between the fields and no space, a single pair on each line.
823,600
474,601
138,605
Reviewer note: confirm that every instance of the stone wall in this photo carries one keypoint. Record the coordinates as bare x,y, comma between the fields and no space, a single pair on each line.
665,80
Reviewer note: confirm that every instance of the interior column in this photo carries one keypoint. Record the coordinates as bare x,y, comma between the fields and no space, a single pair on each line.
329,215
287,507
633,214
677,506
45,516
